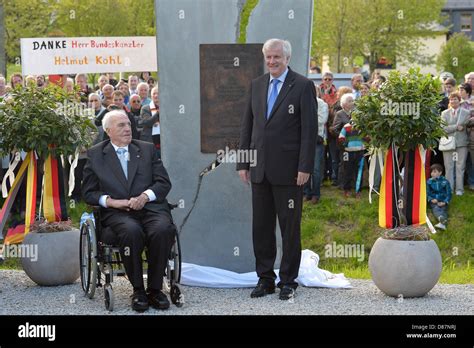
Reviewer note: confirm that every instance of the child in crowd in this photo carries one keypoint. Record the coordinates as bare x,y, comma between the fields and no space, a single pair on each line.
439,194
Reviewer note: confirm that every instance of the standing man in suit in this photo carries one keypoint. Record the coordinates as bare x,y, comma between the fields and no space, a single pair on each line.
127,179
280,124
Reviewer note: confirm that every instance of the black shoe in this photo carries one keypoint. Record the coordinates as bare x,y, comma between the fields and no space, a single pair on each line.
139,301
263,289
158,300
287,292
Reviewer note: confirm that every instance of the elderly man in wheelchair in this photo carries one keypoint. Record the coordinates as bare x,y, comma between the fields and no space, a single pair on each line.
127,179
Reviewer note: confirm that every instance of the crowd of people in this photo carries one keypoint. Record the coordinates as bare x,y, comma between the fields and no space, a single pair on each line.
340,148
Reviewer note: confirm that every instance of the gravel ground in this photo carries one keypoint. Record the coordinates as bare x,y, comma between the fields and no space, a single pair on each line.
20,296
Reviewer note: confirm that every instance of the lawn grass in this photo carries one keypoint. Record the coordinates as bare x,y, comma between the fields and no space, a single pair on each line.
355,222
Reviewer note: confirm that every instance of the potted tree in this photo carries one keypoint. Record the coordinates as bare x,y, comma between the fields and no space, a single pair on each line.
401,119
44,124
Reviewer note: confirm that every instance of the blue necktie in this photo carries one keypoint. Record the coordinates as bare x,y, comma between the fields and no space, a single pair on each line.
122,156
273,97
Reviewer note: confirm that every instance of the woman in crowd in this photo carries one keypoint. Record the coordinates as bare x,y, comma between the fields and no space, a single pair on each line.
333,135
456,119
95,103
123,87
467,100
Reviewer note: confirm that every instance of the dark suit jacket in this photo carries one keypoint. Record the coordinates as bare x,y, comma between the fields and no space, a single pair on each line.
103,175
340,120
285,143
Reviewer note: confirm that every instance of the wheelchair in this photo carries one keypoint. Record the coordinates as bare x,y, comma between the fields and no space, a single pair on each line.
100,262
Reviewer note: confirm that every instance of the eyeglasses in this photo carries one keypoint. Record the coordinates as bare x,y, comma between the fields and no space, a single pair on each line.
327,79
136,101
94,100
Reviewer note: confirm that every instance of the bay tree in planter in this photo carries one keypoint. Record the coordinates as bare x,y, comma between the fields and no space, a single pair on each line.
45,124
402,120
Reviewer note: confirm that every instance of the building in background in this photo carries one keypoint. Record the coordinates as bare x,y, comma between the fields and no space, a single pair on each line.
460,15
432,47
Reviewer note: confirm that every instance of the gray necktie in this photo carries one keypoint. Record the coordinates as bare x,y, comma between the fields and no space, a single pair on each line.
122,156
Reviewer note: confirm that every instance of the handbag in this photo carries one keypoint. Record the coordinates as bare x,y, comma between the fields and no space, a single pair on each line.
447,143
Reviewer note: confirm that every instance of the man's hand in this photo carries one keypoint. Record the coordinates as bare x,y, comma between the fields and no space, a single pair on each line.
117,203
441,204
244,176
137,203
302,178
460,128
434,201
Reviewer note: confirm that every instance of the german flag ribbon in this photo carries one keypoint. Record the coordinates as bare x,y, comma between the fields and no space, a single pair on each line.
54,199
31,187
389,192
15,235
414,188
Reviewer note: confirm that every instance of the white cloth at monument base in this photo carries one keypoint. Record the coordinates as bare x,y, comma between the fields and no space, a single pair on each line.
309,275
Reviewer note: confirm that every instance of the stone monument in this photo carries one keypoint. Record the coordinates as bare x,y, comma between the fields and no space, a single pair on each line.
207,55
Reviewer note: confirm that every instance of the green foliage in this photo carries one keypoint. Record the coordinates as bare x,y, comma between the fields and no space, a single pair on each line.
106,18
25,19
244,19
457,56
402,112
70,18
334,31
37,119
384,28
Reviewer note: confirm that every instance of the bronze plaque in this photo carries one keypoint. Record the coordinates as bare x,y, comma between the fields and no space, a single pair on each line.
226,72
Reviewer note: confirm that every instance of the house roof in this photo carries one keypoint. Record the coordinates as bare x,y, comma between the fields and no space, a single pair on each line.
459,5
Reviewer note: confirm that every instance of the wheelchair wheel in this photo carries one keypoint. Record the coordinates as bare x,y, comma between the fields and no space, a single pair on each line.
109,298
88,258
176,259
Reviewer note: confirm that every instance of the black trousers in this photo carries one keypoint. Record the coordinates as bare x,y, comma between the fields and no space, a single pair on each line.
135,231
269,202
350,164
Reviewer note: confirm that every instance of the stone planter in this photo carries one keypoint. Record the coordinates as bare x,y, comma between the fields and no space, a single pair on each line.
57,260
407,268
